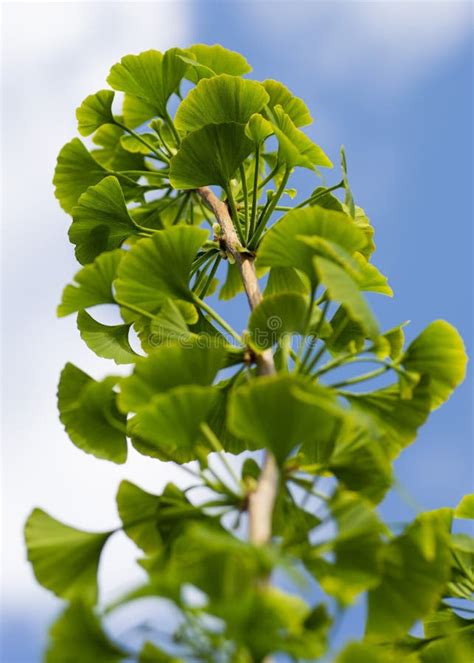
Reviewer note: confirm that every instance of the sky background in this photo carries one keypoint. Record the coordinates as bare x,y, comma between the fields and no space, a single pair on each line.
392,81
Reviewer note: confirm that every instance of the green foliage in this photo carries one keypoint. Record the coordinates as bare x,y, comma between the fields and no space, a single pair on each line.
197,391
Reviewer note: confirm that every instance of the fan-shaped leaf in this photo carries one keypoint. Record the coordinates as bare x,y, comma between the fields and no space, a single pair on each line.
465,508
281,247
275,316
285,279
170,366
107,341
356,548
218,100
295,148
152,76
95,110
159,267
154,521
397,418
361,652
412,581
281,412
439,353
210,155
293,106
92,284
78,636
170,424
343,289
112,155
89,414
214,60
65,560
101,221
75,172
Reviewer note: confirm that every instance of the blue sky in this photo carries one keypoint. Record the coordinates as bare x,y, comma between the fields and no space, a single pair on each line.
390,81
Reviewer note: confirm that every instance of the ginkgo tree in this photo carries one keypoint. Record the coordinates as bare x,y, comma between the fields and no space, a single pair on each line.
316,433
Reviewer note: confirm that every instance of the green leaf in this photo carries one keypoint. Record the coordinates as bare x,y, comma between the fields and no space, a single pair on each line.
439,353
397,419
107,341
75,172
360,461
451,638
343,289
465,508
113,155
356,547
77,637
412,581
293,106
210,155
170,366
360,652
134,145
150,653
218,100
92,284
154,522
65,560
295,148
281,412
214,60
101,221
89,414
159,267
170,425
276,316
349,201
151,76
369,278
285,279
281,246
95,110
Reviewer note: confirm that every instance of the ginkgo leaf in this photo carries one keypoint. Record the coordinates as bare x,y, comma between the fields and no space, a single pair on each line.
356,548
101,221
294,107
286,279
361,462
150,653
107,341
111,154
220,99
65,560
151,76
167,367
154,521
88,411
75,172
439,353
397,418
95,110
170,425
210,155
258,129
343,289
136,146
78,636
361,652
281,247
412,582
214,60
92,284
369,278
281,412
295,148
276,316
159,267
465,508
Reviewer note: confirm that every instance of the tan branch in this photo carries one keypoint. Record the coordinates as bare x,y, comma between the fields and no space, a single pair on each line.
262,500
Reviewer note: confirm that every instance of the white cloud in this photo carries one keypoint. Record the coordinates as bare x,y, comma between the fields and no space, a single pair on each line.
53,56
403,39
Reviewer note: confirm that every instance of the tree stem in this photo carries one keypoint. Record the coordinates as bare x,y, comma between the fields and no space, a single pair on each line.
262,499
